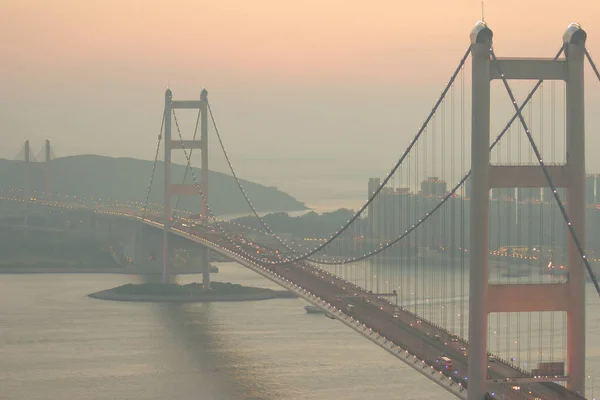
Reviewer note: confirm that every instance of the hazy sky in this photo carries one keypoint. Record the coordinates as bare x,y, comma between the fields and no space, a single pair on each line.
303,78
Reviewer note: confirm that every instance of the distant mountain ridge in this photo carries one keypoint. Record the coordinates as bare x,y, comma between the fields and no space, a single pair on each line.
127,179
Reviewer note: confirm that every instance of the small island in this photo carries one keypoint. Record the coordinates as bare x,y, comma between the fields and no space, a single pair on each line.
190,293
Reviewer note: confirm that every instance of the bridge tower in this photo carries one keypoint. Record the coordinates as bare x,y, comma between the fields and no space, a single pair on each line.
485,298
171,189
47,157
27,181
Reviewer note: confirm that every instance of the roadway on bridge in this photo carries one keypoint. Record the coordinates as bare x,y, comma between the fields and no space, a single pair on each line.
396,324
405,330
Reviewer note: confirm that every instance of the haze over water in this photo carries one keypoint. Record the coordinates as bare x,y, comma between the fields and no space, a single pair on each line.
58,344
313,97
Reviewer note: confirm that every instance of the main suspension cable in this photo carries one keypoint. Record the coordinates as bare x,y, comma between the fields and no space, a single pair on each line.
239,185
203,195
162,124
371,198
421,221
546,174
391,243
593,64
429,214
444,199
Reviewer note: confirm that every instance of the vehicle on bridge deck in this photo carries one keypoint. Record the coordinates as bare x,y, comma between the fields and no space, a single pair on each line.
446,362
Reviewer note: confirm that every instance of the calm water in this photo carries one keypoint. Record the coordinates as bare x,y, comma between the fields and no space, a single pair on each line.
55,343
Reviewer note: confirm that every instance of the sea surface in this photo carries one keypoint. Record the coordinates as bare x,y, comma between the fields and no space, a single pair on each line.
56,343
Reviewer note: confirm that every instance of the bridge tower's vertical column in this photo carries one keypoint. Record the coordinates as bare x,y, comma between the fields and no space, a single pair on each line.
574,42
204,181
27,181
204,151
184,189
481,42
47,169
167,199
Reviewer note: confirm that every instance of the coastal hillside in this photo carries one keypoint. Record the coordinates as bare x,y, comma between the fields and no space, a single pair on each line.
126,179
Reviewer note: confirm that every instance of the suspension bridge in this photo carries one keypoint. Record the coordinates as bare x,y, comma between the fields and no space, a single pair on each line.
473,248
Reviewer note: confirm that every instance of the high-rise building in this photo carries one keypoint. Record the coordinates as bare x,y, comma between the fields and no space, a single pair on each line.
503,193
374,184
529,194
597,197
590,189
391,212
433,186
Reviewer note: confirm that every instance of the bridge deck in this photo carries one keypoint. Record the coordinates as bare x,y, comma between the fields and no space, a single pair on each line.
381,317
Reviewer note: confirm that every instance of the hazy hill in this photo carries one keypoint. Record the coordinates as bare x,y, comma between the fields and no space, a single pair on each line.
127,179
310,224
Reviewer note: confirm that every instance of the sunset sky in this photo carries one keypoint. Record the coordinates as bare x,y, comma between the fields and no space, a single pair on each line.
308,78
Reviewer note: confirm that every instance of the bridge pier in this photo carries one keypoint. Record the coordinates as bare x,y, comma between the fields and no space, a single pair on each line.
201,256
142,250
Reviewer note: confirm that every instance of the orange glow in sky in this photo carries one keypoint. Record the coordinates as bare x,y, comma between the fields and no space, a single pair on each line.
98,68
314,40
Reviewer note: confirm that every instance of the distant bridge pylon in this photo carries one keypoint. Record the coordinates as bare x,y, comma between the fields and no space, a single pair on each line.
171,189
27,155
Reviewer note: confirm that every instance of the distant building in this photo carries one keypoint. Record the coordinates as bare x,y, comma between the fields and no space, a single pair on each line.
374,184
503,194
529,194
528,223
590,189
433,186
597,197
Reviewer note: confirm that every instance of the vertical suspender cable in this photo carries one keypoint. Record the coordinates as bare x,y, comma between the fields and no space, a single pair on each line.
550,182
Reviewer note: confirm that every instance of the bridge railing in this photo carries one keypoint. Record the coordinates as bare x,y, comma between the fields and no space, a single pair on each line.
438,327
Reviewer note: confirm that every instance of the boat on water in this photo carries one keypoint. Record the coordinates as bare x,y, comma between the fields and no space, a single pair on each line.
314,310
